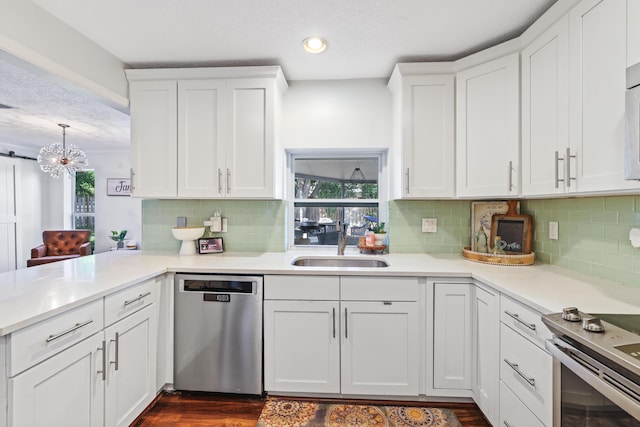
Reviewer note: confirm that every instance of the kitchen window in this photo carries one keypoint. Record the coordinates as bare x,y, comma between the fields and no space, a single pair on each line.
84,202
328,186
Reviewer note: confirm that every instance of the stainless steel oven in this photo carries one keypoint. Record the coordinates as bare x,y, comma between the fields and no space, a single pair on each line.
632,108
597,375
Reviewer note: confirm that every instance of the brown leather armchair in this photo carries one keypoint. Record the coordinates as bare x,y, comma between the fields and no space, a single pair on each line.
60,245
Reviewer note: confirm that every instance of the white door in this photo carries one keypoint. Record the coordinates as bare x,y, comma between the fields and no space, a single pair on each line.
452,320
380,348
301,346
488,129
598,49
66,390
201,151
8,217
131,366
486,352
545,111
249,170
153,107
428,136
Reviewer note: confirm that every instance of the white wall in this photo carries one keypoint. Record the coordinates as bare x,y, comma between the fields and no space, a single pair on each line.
114,212
337,114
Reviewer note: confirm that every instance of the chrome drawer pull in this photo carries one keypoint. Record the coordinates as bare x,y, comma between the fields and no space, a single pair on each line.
68,331
334,322
103,349
506,423
117,341
136,299
514,316
514,366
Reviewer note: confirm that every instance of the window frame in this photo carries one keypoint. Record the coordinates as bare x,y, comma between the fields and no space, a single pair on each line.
380,154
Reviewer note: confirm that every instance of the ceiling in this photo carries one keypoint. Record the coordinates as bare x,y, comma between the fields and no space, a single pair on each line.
365,39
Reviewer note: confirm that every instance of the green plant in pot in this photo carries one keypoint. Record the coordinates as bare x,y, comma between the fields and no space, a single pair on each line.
118,236
379,232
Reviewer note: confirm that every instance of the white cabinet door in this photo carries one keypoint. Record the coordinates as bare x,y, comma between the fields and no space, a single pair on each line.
488,131
66,390
486,352
201,161
633,32
452,316
380,348
8,217
153,109
131,375
249,170
425,115
545,110
301,346
598,59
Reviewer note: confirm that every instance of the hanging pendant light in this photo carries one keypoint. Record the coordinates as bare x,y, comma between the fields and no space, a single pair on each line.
357,175
57,158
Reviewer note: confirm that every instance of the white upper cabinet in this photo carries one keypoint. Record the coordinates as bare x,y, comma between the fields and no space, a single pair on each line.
487,129
545,110
153,111
597,64
633,32
423,121
207,132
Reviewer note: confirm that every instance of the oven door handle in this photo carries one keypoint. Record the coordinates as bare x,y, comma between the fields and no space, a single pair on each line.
603,379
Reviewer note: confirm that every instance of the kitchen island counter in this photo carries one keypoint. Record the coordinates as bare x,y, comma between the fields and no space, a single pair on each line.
33,294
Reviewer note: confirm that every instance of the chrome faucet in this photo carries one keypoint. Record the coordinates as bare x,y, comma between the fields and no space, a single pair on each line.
343,237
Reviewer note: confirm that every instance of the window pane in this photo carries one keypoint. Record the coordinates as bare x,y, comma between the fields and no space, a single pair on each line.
355,178
85,204
316,225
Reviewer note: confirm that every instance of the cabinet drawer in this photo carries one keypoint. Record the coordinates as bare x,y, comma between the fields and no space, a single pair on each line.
524,320
528,363
38,342
121,304
360,288
513,412
321,288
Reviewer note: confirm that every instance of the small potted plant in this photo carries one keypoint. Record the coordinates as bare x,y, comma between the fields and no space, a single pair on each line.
379,232
118,236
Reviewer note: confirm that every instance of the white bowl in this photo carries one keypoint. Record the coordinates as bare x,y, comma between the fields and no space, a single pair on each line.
188,235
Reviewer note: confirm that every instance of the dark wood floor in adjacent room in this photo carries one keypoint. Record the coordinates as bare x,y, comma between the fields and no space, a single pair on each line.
202,409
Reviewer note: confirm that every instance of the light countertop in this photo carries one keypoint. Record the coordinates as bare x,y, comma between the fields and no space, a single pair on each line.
32,294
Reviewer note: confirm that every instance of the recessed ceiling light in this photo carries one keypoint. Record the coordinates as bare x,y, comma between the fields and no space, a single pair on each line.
314,45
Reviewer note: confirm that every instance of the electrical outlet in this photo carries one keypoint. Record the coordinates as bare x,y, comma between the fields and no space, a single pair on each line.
429,225
553,230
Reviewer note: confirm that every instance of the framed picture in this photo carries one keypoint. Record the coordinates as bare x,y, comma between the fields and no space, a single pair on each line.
481,217
210,245
118,187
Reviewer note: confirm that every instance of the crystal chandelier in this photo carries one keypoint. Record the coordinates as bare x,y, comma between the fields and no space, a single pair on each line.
57,158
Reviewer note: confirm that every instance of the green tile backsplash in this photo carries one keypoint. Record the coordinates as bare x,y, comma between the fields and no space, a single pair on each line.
593,231
253,226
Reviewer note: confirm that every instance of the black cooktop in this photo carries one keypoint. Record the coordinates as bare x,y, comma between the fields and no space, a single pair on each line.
628,322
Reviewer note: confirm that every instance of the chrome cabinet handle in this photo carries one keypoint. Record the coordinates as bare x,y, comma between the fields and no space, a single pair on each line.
346,329
131,175
136,299
514,366
510,176
68,331
515,316
557,168
228,180
117,341
219,180
506,423
334,322
568,156
407,180
103,349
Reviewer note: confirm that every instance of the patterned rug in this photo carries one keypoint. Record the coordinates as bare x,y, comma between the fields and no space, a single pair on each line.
297,413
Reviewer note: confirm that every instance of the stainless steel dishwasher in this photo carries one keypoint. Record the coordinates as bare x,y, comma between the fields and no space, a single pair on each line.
218,333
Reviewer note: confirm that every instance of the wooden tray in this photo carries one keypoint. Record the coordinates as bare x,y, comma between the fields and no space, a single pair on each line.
375,248
499,259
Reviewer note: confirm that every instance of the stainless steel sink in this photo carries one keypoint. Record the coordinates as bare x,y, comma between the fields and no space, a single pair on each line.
339,262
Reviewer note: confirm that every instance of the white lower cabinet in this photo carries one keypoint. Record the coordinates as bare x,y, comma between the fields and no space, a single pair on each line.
486,351
318,344
131,373
302,346
66,390
514,413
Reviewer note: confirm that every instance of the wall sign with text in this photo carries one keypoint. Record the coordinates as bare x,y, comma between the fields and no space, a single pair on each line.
118,187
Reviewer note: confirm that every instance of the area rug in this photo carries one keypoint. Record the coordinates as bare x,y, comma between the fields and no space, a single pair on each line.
297,413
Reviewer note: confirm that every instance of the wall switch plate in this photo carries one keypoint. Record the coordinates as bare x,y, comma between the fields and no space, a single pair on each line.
224,224
553,230
429,225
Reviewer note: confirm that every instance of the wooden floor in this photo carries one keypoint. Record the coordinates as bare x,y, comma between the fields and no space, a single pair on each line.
202,409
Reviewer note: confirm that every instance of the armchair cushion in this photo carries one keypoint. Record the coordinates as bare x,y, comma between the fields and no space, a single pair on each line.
59,245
